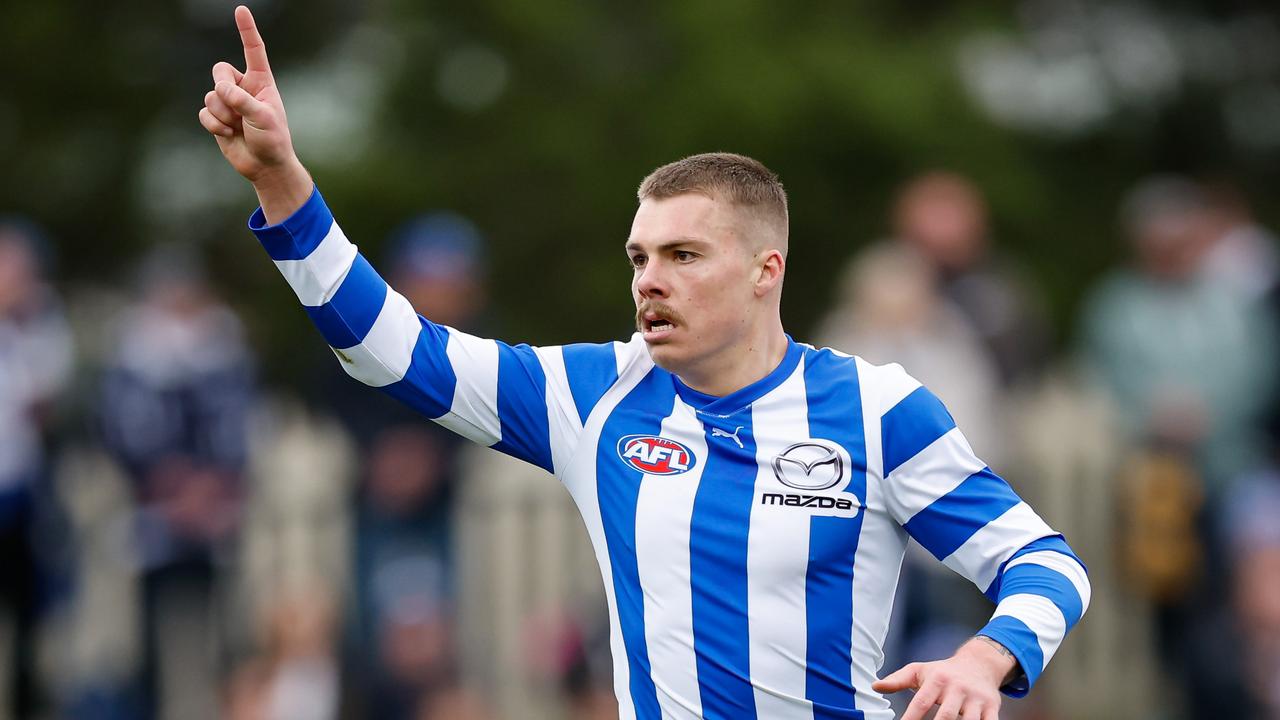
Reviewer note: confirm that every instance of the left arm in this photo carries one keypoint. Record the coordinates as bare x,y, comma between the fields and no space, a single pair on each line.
971,520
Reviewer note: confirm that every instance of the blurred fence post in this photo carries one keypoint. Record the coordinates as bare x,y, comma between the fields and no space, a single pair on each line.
99,641
525,565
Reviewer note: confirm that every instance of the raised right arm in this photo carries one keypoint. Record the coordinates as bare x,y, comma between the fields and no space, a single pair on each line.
527,402
487,391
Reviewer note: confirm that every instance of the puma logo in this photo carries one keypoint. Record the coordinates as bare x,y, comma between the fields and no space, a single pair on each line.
717,432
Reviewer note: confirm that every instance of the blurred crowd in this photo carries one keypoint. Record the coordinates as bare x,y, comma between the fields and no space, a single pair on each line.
180,540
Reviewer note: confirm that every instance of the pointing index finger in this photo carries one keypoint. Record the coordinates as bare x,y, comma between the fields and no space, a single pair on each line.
255,51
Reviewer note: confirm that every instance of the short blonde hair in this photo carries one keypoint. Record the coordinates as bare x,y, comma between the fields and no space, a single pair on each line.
737,179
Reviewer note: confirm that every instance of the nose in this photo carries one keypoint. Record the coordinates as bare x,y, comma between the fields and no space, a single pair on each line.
651,281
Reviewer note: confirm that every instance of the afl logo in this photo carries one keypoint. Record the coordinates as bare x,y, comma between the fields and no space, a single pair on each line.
809,466
655,455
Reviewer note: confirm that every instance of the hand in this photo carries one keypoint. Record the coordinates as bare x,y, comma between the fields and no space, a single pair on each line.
245,114
965,685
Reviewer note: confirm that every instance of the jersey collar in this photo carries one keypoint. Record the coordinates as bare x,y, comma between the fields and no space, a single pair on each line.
742,398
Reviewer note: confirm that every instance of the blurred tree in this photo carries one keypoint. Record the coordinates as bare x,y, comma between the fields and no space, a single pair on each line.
536,118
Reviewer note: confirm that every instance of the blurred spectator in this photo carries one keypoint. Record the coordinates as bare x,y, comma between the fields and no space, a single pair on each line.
587,676
436,262
295,566
891,309
404,645
1162,498
1234,666
175,404
403,653
296,677
1188,361
532,610
35,364
1241,255
943,216
1244,257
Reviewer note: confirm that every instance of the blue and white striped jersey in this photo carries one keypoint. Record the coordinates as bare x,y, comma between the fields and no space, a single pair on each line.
749,544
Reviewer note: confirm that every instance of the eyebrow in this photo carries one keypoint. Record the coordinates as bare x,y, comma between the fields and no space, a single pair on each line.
633,245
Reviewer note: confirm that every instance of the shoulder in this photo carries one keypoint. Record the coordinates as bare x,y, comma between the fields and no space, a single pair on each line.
604,362
886,385
629,355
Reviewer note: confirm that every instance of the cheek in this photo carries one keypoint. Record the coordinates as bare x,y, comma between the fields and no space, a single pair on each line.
715,303
723,289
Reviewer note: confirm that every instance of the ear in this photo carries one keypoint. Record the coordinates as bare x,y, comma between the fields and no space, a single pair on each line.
769,268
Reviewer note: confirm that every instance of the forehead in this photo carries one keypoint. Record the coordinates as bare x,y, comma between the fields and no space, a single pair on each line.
683,217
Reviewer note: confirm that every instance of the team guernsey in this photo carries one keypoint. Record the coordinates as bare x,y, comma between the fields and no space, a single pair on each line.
750,544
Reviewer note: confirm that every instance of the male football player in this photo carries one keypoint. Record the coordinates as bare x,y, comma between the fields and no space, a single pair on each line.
749,498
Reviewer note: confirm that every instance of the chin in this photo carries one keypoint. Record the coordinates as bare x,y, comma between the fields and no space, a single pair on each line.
666,357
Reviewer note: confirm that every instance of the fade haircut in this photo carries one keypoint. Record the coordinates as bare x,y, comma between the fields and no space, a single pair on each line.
737,179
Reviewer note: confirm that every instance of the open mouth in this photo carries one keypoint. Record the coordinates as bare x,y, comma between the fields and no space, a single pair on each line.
656,320
654,324
659,325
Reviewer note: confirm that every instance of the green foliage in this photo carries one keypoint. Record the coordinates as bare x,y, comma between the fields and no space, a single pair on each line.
844,99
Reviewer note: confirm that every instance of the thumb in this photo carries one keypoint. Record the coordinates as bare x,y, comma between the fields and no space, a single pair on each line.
239,99
905,678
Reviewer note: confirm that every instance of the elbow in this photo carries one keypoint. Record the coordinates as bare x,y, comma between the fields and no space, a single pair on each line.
1085,588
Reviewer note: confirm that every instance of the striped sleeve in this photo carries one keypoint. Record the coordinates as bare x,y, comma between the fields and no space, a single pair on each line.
970,519
528,402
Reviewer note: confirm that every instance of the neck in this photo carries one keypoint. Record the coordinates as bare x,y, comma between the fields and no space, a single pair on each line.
739,365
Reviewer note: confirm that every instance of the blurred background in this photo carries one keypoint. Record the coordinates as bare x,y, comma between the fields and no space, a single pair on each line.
1058,214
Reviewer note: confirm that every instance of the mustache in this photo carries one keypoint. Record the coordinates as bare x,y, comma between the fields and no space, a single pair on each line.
661,309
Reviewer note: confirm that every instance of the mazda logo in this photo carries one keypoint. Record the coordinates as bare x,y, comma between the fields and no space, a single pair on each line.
809,466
